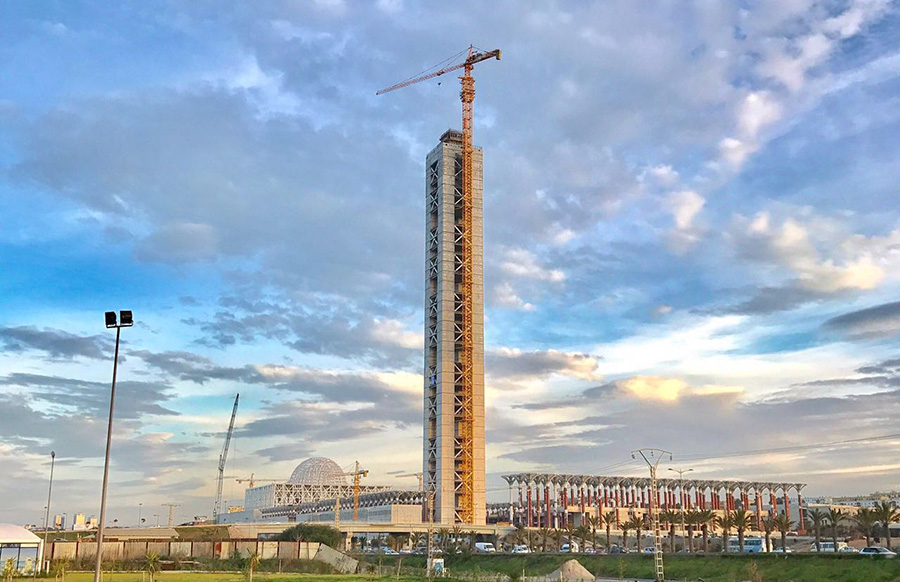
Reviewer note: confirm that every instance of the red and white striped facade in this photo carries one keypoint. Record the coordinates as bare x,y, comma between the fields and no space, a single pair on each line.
556,500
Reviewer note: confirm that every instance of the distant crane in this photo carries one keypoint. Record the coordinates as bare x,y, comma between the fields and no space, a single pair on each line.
356,474
222,457
466,440
251,480
418,475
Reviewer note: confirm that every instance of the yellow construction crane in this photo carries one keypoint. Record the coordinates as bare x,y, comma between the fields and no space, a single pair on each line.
251,480
417,475
356,474
466,438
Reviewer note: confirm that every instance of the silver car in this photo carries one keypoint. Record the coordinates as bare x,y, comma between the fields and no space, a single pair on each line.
877,551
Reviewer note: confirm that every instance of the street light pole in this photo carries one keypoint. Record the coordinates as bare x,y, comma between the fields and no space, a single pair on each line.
652,458
140,512
46,515
125,320
681,473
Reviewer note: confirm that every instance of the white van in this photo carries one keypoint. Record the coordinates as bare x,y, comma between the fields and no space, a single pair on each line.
485,547
829,546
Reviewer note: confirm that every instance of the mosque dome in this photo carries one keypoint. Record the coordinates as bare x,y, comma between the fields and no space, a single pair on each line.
318,471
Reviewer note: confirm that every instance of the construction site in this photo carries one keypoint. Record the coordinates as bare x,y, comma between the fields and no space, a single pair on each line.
452,489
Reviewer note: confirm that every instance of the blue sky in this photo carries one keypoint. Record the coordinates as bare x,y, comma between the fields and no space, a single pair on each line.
691,238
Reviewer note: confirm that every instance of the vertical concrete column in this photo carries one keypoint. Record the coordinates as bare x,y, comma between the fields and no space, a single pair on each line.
528,505
773,502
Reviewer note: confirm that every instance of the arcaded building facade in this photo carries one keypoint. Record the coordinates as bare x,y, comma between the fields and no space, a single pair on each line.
445,472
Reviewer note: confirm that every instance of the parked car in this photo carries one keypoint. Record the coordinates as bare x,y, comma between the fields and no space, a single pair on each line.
485,548
618,550
649,550
567,548
782,551
521,550
877,551
828,546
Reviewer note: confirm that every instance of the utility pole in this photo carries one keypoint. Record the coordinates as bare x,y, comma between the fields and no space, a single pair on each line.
681,473
652,457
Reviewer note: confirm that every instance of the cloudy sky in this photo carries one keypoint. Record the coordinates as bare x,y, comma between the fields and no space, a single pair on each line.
692,239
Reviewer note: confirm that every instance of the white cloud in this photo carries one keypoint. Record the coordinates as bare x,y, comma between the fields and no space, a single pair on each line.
392,331
506,296
523,263
685,207
666,175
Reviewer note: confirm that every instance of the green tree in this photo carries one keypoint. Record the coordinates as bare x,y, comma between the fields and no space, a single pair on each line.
691,522
670,516
835,517
60,568
9,569
635,522
784,524
310,532
725,523
151,565
609,520
886,513
593,522
768,527
252,564
583,532
626,526
865,520
544,535
817,518
742,520
705,517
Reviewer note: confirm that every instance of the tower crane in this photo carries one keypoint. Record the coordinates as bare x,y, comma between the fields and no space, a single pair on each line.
357,474
222,457
251,480
417,475
466,438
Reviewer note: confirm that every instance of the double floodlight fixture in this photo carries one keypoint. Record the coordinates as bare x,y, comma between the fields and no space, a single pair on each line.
125,319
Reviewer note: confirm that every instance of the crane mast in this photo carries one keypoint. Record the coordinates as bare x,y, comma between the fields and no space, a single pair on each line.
222,457
465,441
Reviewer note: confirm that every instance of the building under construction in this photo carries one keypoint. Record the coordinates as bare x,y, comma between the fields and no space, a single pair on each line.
314,481
560,500
454,363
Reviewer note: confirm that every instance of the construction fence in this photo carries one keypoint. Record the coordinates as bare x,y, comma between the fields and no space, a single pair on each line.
138,549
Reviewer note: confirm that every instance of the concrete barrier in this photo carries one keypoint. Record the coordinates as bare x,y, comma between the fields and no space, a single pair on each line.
340,562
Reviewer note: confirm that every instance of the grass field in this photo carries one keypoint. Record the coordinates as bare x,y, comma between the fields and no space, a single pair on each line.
711,568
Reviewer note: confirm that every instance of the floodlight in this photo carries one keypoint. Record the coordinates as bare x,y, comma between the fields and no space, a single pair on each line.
125,319
111,319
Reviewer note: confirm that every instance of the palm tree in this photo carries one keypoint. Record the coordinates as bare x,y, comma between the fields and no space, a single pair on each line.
768,527
835,516
151,564
626,525
705,517
887,513
252,563
544,535
817,516
593,522
570,535
9,569
784,525
609,519
583,532
725,523
865,520
636,523
742,520
60,567
670,516
691,520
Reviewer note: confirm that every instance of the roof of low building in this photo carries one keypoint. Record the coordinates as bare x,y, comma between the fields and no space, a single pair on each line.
16,534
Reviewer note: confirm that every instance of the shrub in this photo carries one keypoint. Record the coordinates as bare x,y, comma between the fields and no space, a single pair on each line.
308,532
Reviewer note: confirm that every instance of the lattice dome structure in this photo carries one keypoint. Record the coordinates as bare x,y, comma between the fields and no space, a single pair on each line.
319,471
